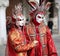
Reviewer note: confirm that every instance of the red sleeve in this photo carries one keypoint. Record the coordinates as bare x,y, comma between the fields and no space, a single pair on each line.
51,45
18,42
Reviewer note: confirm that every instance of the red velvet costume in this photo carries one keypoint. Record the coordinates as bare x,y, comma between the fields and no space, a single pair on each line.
43,35
17,43
40,32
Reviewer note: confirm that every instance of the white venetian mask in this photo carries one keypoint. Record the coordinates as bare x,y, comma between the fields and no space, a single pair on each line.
20,21
39,18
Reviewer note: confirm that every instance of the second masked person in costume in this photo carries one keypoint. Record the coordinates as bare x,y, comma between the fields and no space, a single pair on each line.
37,30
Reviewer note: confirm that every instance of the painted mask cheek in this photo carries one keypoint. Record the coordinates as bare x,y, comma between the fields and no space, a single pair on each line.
39,20
21,23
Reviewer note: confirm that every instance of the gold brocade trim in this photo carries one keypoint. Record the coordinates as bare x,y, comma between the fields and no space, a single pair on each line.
32,35
22,54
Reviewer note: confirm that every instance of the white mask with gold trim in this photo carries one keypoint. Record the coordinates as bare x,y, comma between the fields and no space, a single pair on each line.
20,21
39,18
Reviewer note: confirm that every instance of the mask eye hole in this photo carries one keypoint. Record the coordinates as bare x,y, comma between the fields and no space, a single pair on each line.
18,19
42,17
39,17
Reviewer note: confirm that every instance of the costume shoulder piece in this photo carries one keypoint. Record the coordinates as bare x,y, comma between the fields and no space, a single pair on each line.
14,33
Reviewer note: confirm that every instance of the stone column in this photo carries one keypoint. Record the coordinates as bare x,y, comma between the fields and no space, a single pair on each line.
3,5
58,6
59,19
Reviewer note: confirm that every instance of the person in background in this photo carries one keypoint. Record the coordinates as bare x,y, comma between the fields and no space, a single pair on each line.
37,30
17,42
50,25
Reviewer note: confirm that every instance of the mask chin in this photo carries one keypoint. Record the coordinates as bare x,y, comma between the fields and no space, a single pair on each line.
39,20
19,23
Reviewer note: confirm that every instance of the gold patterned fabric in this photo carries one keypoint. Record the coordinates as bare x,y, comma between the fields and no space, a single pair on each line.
17,44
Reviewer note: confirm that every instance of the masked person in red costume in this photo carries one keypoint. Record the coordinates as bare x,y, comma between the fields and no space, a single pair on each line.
37,30
17,43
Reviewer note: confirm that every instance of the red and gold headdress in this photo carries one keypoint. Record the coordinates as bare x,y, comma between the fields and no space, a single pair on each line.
35,8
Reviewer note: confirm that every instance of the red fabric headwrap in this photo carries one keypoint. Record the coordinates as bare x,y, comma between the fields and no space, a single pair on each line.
35,22
41,12
34,19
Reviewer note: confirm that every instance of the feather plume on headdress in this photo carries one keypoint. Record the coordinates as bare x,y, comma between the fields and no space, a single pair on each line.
17,10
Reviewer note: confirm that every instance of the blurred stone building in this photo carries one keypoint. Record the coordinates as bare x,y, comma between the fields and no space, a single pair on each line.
6,7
